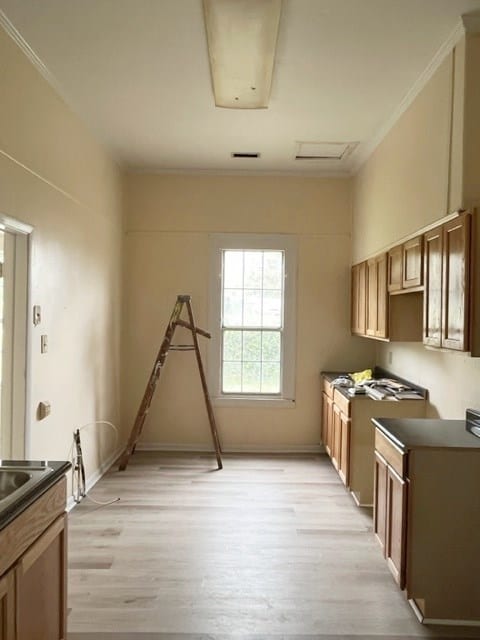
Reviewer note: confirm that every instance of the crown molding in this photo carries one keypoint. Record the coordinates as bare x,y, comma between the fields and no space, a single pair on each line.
240,172
471,22
20,41
365,150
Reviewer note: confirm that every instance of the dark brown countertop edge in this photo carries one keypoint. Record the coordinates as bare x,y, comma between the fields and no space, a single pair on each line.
59,468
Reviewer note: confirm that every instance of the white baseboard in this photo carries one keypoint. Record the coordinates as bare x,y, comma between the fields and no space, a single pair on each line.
93,478
233,448
442,621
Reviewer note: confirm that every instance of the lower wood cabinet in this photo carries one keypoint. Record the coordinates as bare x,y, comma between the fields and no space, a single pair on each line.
426,513
33,588
349,439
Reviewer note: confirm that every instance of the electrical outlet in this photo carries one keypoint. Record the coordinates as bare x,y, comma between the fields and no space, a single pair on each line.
37,314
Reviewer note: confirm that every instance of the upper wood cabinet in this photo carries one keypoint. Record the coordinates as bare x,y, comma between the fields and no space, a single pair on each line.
405,266
413,263
359,298
447,285
377,297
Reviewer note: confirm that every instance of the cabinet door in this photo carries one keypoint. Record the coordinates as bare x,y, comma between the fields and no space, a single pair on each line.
344,450
380,501
41,587
7,606
358,298
381,325
377,297
371,313
336,436
456,263
328,415
432,298
395,276
396,525
413,263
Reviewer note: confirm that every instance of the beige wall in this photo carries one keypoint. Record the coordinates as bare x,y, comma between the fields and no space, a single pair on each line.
54,176
414,178
404,184
169,218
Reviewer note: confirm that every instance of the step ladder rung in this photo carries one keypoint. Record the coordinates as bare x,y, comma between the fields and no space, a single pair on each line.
182,347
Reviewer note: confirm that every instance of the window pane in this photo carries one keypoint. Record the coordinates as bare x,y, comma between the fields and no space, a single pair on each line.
271,346
232,346
253,270
232,307
232,377
273,269
252,309
251,382
272,308
252,346
271,377
233,269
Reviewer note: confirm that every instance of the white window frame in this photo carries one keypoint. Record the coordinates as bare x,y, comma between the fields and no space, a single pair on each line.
220,242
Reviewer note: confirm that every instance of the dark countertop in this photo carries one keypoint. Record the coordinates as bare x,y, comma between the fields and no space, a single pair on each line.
416,433
15,508
378,373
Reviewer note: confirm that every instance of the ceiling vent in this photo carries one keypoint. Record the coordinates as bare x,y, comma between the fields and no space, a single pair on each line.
238,154
324,150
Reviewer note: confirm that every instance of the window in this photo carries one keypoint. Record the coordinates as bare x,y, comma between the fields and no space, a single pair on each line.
252,317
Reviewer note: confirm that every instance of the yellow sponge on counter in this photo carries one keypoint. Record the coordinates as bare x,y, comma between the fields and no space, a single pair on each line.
361,376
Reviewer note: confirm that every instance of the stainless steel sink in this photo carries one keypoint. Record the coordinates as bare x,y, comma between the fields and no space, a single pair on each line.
15,481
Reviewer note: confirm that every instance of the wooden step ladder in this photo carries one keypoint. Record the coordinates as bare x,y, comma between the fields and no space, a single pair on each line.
166,346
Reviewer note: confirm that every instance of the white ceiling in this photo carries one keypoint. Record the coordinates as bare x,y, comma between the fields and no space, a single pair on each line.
137,72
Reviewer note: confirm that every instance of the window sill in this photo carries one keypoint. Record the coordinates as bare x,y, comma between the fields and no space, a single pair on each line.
253,402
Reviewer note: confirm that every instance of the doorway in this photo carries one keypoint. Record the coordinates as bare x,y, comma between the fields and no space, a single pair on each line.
14,241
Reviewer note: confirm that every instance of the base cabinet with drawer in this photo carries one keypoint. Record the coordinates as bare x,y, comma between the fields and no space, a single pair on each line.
426,517
33,588
348,435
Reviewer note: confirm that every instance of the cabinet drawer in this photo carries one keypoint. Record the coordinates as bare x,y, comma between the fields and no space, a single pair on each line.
342,402
328,388
390,453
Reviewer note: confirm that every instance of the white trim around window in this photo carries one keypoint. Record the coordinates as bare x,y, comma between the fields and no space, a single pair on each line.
219,244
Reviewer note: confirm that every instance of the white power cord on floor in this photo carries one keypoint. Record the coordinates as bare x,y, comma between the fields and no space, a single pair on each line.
80,491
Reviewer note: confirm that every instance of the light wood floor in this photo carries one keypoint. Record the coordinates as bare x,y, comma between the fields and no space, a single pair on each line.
271,547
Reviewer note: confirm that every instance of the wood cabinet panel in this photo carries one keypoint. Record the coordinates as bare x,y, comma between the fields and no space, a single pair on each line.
7,606
456,260
433,267
447,285
358,300
344,453
412,261
380,501
377,297
381,328
396,525
395,272
336,436
371,297
327,404
41,587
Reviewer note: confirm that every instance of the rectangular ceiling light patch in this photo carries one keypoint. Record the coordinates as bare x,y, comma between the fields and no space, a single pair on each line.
242,37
